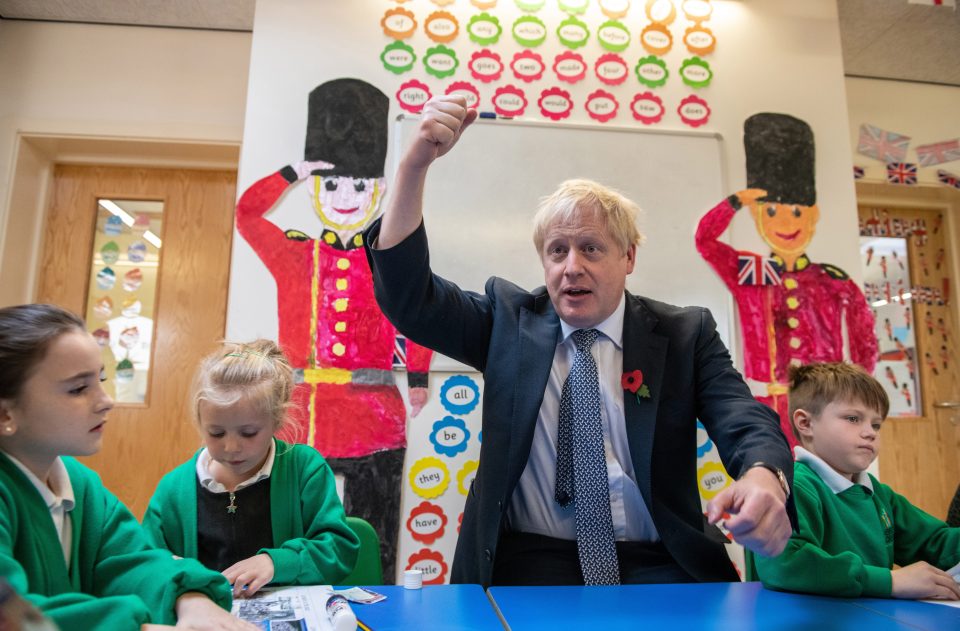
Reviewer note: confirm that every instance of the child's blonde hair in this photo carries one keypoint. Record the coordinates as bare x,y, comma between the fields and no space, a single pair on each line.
814,386
257,371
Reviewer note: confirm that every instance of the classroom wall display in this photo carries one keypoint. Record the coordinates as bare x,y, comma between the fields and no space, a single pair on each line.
792,310
487,209
484,192
442,459
340,344
603,54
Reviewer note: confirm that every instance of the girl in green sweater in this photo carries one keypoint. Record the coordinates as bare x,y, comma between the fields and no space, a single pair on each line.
66,543
853,529
247,504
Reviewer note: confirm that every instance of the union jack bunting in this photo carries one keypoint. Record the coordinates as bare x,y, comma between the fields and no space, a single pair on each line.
857,173
882,145
755,269
901,173
400,352
938,152
947,178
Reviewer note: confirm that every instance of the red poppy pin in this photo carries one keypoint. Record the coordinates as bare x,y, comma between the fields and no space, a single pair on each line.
633,382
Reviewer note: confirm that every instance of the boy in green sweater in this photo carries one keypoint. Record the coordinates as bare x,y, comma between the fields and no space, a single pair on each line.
852,528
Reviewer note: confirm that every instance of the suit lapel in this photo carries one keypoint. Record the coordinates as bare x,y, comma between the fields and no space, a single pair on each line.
646,351
539,333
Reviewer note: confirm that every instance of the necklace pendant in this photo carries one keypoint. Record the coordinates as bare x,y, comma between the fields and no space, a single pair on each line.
232,507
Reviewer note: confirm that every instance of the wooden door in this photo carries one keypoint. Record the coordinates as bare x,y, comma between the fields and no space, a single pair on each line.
143,441
920,449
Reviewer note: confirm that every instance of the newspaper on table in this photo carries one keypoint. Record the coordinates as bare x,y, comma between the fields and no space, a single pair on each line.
287,608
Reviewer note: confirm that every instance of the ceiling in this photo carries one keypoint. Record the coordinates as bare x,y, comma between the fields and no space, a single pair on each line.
885,39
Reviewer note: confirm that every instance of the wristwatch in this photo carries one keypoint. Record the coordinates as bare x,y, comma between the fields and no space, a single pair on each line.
781,478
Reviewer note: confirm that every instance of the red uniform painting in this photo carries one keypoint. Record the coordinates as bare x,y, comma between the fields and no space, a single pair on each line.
791,310
339,342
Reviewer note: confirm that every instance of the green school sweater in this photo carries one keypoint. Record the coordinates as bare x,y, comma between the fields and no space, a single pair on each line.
313,545
848,542
116,579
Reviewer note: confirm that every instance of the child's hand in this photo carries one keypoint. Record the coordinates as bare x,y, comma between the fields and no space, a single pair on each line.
922,580
196,611
249,575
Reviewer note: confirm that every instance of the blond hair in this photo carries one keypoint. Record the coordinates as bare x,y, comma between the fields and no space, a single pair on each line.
572,197
255,371
814,386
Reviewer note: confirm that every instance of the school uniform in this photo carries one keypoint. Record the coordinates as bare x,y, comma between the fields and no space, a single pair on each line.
851,534
311,543
114,579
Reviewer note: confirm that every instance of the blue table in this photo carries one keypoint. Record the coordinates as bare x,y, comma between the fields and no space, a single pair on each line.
706,606
432,607
918,614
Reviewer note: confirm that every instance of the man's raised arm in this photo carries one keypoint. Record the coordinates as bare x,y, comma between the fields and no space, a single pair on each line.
444,118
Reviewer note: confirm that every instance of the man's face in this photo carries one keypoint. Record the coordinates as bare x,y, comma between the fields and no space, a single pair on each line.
344,202
787,228
584,269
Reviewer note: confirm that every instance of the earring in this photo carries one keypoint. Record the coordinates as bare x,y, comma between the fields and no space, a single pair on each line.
8,429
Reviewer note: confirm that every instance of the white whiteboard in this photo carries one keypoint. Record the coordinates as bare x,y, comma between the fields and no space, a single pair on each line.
480,199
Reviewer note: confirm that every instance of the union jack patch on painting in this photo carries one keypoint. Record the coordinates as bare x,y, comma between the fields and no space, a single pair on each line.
400,352
901,173
754,269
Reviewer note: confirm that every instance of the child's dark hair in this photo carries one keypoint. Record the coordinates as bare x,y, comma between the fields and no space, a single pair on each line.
814,386
26,332
257,371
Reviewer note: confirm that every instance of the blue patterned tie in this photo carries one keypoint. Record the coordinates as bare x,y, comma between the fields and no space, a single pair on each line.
582,466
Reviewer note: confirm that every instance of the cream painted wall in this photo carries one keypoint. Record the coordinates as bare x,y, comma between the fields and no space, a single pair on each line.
101,81
927,113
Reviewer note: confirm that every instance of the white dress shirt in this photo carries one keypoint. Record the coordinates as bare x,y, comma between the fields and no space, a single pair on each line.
532,507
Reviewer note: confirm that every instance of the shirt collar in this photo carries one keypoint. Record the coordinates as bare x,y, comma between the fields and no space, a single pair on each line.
833,479
58,491
612,327
209,483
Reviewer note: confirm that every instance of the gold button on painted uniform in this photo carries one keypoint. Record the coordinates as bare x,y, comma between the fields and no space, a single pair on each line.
343,263
790,283
340,327
792,302
794,343
342,284
793,323
339,349
340,305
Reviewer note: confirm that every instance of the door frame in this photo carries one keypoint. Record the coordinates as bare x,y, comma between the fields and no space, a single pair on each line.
23,212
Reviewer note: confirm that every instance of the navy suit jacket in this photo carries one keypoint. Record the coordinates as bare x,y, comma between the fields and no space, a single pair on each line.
510,335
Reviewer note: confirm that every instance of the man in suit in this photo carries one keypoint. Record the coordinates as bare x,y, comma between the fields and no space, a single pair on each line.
654,370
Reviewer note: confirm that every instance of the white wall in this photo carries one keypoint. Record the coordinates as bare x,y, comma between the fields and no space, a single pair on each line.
927,113
113,82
